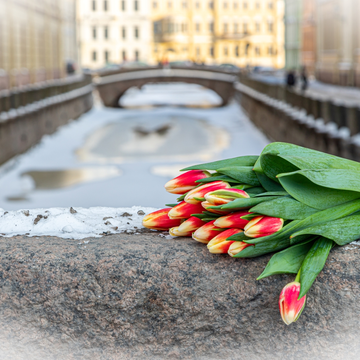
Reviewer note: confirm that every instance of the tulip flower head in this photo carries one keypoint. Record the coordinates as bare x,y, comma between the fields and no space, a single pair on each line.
233,220
261,226
159,220
219,244
184,210
207,232
190,225
185,182
197,195
237,246
289,305
174,231
224,196
207,206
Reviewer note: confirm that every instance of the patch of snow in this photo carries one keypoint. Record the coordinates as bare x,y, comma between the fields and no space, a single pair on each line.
64,223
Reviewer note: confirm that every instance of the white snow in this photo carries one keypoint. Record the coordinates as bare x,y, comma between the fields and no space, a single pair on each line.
72,223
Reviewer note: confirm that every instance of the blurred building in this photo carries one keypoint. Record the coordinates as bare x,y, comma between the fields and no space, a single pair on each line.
33,36
245,32
113,31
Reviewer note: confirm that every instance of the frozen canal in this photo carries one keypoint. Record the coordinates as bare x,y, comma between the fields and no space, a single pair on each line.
123,157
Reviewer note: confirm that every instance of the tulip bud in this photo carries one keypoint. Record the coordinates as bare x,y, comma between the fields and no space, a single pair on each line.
219,245
159,220
207,206
185,182
197,195
261,226
237,246
224,196
174,231
190,225
185,210
289,305
232,221
207,232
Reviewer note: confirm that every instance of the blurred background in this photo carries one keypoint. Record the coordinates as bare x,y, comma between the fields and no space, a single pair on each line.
103,101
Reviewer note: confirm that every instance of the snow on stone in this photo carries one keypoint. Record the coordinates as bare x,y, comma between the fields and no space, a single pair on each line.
72,223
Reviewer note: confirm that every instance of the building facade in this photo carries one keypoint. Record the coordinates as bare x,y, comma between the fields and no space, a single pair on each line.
113,31
308,56
245,33
33,35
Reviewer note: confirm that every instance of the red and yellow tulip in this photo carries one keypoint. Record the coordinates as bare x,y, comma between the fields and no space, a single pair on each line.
219,244
159,220
233,220
261,226
224,196
185,182
197,195
289,305
237,246
207,232
184,210
207,206
190,225
174,231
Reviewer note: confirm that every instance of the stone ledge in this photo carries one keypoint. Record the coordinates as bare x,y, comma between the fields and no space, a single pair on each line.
143,296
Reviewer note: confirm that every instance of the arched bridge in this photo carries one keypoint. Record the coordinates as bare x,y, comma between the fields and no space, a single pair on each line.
112,87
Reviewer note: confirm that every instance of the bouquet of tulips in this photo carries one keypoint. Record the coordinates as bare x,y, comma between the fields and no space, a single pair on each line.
295,202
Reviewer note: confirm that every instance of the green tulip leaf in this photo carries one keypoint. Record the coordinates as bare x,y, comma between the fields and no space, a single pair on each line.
217,178
314,263
245,203
342,231
285,208
287,261
244,174
273,193
266,182
215,165
237,237
301,186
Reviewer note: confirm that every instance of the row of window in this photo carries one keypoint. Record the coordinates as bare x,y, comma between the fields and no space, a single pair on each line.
95,54
171,28
226,5
96,5
123,32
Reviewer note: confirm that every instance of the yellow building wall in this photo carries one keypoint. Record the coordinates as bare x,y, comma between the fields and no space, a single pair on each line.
220,31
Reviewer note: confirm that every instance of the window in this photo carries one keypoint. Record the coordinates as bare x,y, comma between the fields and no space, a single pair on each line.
270,5
257,27
270,26
123,5
197,27
237,51
257,5
211,4
236,5
211,27
245,5
106,32
257,51
247,49
225,5
245,27
93,5
226,51
106,55
136,5
211,51
154,5
123,32
105,5
136,55
94,56
270,50
184,4
124,55
225,28
197,5
169,4
94,32
198,52
236,28
136,32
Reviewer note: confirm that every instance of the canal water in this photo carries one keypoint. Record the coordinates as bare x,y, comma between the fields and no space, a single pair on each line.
123,157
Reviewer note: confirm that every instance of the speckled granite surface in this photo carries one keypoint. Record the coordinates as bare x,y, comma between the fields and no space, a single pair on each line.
147,297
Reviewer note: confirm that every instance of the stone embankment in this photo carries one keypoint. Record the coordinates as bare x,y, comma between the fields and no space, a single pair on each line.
143,296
